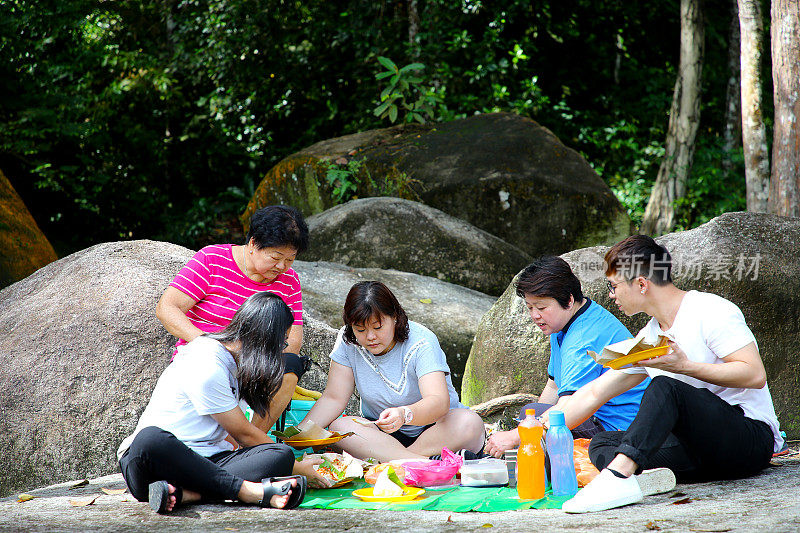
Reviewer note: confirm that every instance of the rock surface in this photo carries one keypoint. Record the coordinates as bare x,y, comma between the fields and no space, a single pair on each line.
81,352
450,311
25,248
765,502
501,172
723,257
393,233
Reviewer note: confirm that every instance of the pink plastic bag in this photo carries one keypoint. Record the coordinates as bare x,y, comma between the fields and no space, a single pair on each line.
433,473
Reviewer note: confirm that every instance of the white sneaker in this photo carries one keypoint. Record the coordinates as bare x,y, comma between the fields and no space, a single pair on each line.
656,481
606,491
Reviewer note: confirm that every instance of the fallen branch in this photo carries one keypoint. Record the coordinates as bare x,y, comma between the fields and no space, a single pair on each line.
494,405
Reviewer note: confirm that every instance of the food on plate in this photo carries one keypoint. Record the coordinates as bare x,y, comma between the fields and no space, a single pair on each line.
306,430
388,484
374,471
339,468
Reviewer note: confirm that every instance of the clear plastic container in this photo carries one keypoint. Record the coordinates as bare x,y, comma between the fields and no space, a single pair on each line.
484,473
561,446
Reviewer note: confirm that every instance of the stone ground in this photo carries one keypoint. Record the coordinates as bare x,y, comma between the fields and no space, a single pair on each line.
768,502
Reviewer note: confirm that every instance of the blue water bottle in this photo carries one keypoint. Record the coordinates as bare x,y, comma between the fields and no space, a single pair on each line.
559,448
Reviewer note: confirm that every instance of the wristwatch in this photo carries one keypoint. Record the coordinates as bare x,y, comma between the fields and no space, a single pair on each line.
408,415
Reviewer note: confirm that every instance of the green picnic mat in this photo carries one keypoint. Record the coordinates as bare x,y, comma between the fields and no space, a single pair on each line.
455,499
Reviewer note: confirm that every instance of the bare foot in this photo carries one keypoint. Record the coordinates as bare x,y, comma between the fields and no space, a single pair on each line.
253,492
172,501
279,502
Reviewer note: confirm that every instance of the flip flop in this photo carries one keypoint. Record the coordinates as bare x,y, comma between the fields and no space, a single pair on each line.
270,490
158,496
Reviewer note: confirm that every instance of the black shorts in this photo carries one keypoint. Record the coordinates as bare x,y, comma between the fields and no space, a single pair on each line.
407,440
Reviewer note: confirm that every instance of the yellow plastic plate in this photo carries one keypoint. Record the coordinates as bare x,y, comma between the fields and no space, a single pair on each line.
305,443
650,353
367,496
316,443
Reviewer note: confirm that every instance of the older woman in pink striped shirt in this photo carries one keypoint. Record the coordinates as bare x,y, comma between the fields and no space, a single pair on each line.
212,286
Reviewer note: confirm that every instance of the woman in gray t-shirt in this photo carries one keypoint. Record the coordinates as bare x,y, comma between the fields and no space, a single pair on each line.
409,407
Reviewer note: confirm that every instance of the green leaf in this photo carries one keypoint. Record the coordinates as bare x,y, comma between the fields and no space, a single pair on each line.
393,113
385,74
412,66
388,63
381,108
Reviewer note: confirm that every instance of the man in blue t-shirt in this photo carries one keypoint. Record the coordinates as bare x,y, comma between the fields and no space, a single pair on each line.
556,304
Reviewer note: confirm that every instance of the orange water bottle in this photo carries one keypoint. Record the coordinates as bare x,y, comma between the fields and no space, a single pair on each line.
530,458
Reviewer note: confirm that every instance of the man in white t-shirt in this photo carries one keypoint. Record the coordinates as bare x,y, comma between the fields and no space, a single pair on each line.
707,413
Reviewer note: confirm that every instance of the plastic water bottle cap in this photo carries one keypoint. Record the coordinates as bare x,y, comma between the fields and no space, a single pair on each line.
530,412
557,418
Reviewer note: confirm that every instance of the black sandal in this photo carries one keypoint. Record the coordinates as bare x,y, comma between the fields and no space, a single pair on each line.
298,491
158,495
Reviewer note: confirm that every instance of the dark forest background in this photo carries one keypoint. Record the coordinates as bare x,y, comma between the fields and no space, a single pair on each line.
157,119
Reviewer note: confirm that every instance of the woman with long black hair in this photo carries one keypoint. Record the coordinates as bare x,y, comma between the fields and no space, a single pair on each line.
181,452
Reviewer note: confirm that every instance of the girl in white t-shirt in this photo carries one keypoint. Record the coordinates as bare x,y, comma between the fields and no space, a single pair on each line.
181,450
707,413
409,407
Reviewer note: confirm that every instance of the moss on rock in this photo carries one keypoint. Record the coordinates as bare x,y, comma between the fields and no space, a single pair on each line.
502,173
25,248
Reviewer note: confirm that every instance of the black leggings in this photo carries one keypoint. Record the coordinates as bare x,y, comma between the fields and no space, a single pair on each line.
691,431
156,454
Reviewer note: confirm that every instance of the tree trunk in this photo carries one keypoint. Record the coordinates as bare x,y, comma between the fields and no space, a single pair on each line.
733,120
670,185
784,194
754,133
413,26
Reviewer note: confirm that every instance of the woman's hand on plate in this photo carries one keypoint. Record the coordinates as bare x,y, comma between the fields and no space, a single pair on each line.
306,468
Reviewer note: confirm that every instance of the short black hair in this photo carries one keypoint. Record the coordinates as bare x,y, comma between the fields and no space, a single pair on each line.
550,277
639,255
278,225
370,299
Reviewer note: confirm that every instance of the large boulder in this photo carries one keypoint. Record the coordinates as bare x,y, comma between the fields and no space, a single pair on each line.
81,351
393,233
300,180
751,259
25,248
501,172
450,311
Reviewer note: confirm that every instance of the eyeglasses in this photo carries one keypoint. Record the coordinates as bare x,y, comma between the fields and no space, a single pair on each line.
612,287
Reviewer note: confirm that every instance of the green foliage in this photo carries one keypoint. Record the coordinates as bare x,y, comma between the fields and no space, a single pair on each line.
711,190
210,219
134,119
351,179
344,179
633,155
402,85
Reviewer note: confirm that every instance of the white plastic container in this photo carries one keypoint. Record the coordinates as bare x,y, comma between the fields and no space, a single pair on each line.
484,473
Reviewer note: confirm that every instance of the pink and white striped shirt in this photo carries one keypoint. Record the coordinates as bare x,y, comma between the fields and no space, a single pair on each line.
214,280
